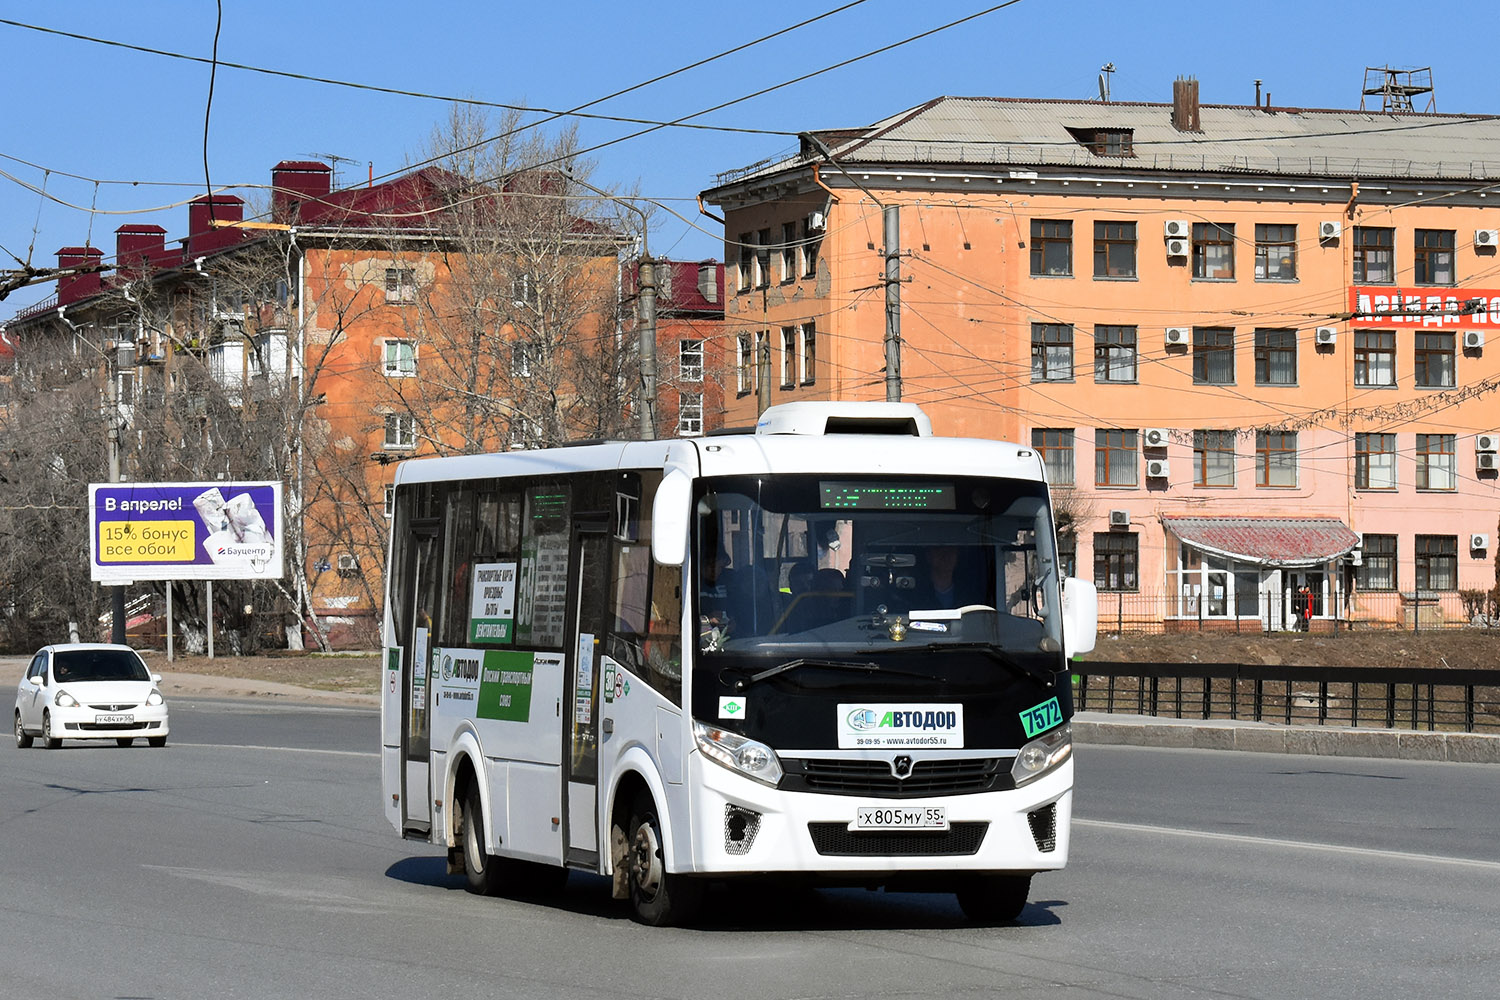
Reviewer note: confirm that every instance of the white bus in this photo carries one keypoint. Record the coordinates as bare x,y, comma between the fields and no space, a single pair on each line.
834,648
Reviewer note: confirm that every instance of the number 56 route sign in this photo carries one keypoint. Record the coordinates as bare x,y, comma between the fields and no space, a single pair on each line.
185,531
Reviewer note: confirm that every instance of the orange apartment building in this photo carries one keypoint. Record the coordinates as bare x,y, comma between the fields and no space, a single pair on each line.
1252,345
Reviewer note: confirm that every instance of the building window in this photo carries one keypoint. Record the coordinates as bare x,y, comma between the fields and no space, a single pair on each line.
388,508
1114,458
1116,556
788,252
742,360
400,358
746,263
1275,357
689,414
807,358
1067,553
400,431
1433,354
1275,252
1213,251
812,240
1377,566
1374,461
1374,255
1213,458
1104,141
1374,357
1114,353
1051,352
400,284
522,354
1432,257
1051,246
1436,462
1114,249
690,360
763,259
1213,355
1437,562
788,356
1276,458
1055,445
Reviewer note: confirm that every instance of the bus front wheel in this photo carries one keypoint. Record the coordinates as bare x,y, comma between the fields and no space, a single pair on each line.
657,898
481,869
995,899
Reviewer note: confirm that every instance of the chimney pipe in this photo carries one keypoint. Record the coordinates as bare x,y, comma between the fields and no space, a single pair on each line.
1185,116
1257,93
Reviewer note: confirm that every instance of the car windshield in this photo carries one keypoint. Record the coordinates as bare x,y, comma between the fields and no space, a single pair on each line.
98,665
807,565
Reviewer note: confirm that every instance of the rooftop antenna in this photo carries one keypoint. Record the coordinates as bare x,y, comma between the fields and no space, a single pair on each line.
1105,72
1397,87
333,161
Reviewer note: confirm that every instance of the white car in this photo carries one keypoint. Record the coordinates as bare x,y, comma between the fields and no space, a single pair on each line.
89,691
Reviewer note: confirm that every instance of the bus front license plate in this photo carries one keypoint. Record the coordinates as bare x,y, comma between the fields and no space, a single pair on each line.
900,818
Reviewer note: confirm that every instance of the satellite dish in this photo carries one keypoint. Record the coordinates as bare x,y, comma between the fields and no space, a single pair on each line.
1103,89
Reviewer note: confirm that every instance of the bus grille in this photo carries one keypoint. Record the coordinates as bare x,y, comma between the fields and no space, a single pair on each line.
874,777
836,839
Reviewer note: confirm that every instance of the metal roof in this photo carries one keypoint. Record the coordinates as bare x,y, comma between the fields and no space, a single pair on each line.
1025,133
1269,541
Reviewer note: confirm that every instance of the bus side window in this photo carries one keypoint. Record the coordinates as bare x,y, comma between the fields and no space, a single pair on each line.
647,599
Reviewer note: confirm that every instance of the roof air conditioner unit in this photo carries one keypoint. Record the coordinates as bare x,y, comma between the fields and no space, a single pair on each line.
348,564
1487,442
1178,335
1156,437
1332,229
1177,248
1473,339
1326,335
1479,542
1119,519
1157,468
1487,237
816,220
1486,461
1176,227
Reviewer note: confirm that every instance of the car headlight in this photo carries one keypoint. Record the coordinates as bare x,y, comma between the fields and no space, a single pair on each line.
738,753
1043,754
155,698
64,700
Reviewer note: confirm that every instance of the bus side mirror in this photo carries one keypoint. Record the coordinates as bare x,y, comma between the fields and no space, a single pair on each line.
670,513
1080,608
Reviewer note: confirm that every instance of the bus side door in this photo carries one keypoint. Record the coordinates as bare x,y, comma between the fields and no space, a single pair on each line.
589,618
420,591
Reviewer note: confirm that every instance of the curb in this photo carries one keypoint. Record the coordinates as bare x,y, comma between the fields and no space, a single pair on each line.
1261,737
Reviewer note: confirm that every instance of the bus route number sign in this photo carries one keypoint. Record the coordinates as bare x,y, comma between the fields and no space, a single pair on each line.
1043,717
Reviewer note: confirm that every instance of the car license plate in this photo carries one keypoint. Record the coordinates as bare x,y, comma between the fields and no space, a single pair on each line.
900,818
113,720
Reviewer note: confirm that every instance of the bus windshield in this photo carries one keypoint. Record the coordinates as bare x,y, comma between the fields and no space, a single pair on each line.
819,565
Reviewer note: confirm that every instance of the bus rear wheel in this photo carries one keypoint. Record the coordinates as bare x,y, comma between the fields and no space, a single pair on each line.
481,869
994,899
657,898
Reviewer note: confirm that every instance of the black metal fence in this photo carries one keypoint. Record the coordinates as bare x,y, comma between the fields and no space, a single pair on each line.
1329,611
1412,698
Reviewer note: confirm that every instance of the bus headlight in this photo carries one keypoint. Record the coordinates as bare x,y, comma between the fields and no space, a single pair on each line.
738,753
1043,754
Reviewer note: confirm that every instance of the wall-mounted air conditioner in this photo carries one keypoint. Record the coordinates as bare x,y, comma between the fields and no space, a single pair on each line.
1473,340
1179,336
1486,461
1479,542
1326,336
1156,437
1177,248
1119,519
1487,442
1176,227
1330,229
1157,468
1487,237
816,221
348,564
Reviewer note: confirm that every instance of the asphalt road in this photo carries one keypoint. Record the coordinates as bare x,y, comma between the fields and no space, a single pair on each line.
250,859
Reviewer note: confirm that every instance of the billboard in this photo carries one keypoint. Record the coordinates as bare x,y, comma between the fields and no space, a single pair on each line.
185,531
1391,307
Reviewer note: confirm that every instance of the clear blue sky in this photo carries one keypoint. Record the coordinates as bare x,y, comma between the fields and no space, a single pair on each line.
113,114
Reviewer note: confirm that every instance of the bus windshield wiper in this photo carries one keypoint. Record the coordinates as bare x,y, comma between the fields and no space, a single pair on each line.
1042,675
781,668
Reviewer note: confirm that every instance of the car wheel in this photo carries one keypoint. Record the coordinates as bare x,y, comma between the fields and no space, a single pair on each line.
481,869
657,898
156,741
123,741
23,738
49,741
994,899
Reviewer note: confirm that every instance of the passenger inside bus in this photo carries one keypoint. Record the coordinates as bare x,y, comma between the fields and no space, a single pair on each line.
947,581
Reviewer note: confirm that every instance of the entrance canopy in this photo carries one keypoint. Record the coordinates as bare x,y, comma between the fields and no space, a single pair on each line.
1269,541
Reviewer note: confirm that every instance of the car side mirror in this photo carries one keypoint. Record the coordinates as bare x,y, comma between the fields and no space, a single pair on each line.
34,680
156,678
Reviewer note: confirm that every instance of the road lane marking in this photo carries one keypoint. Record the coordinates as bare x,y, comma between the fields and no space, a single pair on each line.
252,746
1306,845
